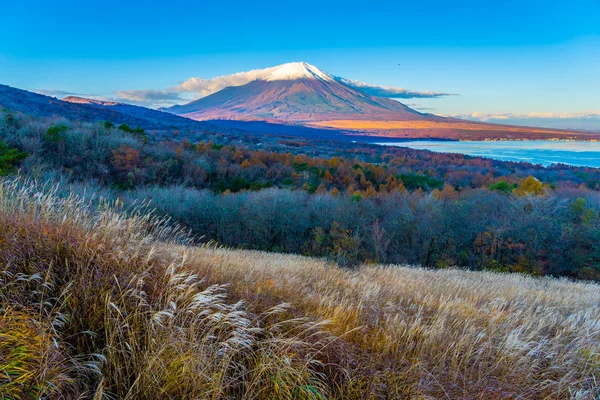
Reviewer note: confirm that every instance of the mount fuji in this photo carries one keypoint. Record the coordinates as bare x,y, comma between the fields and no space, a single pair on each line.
293,98
296,92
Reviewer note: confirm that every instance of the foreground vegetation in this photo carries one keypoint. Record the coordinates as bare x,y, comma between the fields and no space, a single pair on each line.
99,304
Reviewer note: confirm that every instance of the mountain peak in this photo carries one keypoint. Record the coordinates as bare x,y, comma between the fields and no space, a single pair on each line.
296,70
294,92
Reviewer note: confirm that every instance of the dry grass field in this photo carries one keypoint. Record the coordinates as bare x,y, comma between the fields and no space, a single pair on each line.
456,129
95,304
423,124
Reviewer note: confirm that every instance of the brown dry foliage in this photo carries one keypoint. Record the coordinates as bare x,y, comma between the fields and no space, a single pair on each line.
98,304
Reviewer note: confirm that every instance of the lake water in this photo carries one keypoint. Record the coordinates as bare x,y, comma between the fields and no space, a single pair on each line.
543,152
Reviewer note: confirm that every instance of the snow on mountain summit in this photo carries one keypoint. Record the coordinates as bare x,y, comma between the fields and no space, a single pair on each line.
296,70
297,92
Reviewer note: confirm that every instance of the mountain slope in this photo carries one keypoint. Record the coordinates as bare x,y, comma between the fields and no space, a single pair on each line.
146,114
295,92
317,105
302,94
91,110
77,108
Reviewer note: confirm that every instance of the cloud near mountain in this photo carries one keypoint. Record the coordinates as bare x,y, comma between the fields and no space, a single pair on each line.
389,91
297,92
148,95
204,87
62,93
589,120
200,87
485,116
197,88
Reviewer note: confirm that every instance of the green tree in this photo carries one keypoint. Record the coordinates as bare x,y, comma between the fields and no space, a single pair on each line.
425,182
54,141
56,134
138,132
125,128
9,158
141,134
502,186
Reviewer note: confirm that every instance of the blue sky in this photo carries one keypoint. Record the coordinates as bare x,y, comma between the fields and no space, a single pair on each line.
509,59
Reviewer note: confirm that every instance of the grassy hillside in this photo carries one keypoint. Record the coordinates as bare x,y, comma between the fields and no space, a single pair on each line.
95,305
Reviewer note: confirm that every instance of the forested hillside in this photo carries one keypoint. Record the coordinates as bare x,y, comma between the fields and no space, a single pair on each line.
347,202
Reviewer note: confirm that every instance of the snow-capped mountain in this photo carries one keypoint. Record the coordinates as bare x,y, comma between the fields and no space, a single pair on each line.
296,70
296,92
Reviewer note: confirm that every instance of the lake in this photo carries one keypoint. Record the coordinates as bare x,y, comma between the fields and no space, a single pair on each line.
543,152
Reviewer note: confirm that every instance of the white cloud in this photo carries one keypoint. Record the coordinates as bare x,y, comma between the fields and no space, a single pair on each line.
148,95
419,107
484,116
62,93
389,91
196,87
203,87
589,120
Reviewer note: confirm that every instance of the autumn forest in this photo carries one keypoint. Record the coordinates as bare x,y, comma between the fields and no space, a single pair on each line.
348,202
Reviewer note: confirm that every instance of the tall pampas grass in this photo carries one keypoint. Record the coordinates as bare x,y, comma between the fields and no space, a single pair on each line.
98,303
92,307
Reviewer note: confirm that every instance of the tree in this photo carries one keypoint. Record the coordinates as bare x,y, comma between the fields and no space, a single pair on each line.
381,241
502,186
137,132
56,134
54,141
9,158
530,185
125,128
126,162
141,134
344,245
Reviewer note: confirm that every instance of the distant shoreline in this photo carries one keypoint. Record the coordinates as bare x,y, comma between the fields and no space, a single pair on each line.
578,153
385,139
